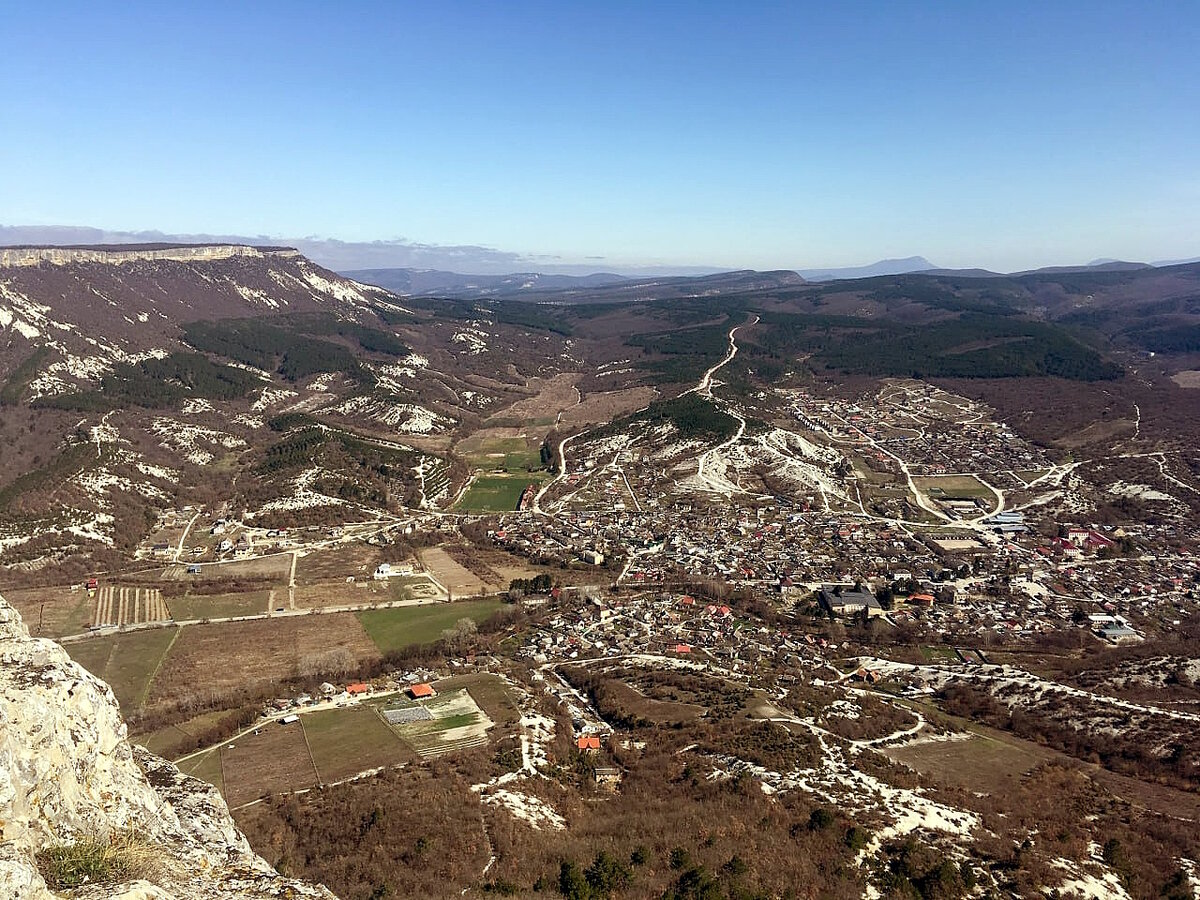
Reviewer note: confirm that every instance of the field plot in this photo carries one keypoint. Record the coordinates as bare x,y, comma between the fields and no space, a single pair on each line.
337,564
953,487
168,742
979,763
276,566
402,626
497,493
52,611
457,723
456,578
489,691
128,662
507,449
119,605
606,406
347,741
221,658
553,394
207,767
217,606
637,704
274,760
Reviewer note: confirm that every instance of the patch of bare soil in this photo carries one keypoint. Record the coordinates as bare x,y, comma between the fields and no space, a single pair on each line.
552,396
603,407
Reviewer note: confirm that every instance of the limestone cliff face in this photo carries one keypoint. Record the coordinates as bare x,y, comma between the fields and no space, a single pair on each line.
67,771
62,256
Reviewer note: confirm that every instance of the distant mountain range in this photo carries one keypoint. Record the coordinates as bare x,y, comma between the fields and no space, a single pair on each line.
883,267
610,287
426,269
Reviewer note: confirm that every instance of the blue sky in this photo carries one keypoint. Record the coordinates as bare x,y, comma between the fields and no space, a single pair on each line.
1006,135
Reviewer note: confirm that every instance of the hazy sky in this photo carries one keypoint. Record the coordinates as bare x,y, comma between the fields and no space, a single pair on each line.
1006,135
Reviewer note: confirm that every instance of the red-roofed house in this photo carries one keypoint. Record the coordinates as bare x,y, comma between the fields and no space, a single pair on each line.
422,691
357,688
589,743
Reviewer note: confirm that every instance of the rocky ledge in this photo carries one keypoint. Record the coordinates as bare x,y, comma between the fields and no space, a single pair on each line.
69,775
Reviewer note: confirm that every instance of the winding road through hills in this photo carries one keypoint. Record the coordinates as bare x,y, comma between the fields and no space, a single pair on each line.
704,389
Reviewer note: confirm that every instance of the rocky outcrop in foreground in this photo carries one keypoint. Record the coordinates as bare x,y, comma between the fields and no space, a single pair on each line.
69,775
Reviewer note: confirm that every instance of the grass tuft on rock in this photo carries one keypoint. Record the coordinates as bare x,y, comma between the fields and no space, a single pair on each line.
101,859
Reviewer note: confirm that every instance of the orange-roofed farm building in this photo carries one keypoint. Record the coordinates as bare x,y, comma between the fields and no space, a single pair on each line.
422,691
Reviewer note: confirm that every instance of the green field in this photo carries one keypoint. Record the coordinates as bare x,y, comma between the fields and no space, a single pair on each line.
402,626
952,487
457,723
206,767
490,692
344,742
127,662
513,455
497,493
167,741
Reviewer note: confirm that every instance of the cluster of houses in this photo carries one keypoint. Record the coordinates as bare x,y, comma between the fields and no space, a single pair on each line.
1017,584
416,685
671,624
902,420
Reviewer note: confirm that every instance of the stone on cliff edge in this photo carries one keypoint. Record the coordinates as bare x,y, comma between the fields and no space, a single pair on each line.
67,771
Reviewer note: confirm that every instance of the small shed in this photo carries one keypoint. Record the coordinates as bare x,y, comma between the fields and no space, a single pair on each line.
607,777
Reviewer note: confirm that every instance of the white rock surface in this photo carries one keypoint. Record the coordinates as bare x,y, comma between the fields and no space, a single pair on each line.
68,771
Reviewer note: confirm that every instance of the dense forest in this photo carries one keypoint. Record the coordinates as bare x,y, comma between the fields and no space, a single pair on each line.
975,345
693,416
157,384
288,348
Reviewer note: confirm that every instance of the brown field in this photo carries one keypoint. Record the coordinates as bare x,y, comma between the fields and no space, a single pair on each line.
338,563
274,760
1097,432
553,395
276,566
1190,378
337,593
217,606
983,762
225,657
52,611
457,579
604,407
347,741
993,761
636,703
